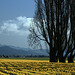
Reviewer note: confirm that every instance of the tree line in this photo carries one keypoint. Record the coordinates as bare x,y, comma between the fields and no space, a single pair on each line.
54,24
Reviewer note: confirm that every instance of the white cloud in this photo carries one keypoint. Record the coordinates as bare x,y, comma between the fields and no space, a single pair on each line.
9,27
19,25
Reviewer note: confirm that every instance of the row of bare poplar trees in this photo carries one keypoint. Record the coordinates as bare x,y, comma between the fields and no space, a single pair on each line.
54,24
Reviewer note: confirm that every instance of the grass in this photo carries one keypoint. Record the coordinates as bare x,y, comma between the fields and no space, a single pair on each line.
45,58
29,58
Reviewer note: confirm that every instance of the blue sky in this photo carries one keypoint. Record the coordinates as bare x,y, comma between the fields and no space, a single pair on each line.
13,8
15,19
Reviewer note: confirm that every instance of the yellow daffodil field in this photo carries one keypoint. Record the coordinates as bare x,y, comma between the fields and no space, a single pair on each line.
35,67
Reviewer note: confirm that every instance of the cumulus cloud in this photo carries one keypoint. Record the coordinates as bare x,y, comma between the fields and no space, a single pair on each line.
19,25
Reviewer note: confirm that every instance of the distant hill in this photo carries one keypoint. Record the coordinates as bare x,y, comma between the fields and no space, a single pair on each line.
12,50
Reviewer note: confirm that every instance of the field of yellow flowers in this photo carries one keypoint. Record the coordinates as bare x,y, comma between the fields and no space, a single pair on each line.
35,67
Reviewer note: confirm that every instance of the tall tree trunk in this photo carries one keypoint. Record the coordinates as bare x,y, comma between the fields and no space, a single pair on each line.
52,56
70,59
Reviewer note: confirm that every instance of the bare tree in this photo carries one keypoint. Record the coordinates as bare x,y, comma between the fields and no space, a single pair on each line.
72,21
44,22
51,25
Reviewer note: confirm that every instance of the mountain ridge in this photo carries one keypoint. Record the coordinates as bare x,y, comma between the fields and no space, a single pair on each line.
12,50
